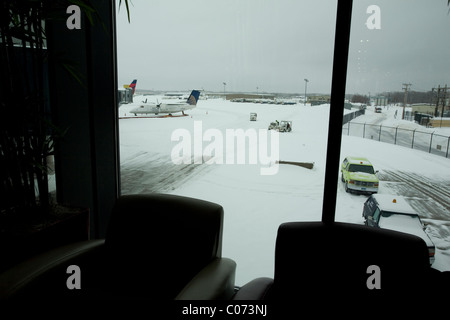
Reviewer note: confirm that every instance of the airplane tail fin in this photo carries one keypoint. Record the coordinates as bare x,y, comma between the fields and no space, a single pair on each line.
133,85
193,98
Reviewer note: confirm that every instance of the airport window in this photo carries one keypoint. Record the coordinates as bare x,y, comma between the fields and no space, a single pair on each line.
242,104
231,105
397,84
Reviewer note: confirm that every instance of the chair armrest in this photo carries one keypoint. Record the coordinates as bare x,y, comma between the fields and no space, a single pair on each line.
22,276
213,282
256,289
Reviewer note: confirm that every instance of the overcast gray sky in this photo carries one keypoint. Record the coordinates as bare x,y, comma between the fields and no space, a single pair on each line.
274,45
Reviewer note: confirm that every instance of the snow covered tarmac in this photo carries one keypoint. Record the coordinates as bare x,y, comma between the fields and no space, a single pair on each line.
254,204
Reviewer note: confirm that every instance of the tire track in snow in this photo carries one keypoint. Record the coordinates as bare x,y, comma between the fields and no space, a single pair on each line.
420,187
147,174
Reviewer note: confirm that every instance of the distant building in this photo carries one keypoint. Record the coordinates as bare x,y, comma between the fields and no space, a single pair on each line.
380,100
423,108
317,100
233,96
426,114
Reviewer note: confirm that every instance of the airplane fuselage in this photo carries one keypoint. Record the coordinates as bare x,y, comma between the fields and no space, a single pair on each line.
167,108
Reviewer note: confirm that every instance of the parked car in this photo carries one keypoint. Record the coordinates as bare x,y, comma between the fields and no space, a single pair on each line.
359,175
253,116
394,213
377,109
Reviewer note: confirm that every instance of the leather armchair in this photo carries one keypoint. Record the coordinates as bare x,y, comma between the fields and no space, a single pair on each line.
329,264
156,247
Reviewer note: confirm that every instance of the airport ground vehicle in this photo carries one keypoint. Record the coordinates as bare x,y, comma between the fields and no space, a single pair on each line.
273,125
359,175
282,126
394,213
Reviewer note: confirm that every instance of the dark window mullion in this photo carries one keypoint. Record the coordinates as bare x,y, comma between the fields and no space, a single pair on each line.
339,77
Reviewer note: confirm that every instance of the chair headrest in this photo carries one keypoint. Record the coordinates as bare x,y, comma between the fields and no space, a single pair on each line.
150,220
335,257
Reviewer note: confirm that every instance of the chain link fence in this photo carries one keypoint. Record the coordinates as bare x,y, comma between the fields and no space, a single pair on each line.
420,140
350,116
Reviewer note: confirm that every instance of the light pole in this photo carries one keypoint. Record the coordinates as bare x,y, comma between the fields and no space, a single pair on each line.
306,85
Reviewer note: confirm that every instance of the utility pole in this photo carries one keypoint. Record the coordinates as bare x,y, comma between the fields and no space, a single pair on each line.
441,98
405,87
444,100
306,85
436,110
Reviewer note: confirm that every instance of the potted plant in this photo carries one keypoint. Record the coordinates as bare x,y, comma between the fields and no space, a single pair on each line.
30,219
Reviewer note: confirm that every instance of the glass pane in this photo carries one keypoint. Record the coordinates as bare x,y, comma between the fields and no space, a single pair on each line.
397,113
253,63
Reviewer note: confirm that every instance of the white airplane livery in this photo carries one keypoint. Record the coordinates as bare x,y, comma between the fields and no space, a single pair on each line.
169,107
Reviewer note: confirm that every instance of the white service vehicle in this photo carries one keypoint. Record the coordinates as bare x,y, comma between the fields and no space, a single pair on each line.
394,213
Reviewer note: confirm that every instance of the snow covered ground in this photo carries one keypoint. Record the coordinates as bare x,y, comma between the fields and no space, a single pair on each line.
254,204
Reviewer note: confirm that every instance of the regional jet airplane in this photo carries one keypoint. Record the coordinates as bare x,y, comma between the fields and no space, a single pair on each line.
171,107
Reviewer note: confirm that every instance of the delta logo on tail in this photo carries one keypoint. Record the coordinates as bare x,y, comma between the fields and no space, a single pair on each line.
133,85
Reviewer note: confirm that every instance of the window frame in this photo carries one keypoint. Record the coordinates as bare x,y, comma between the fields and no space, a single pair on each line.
338,86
